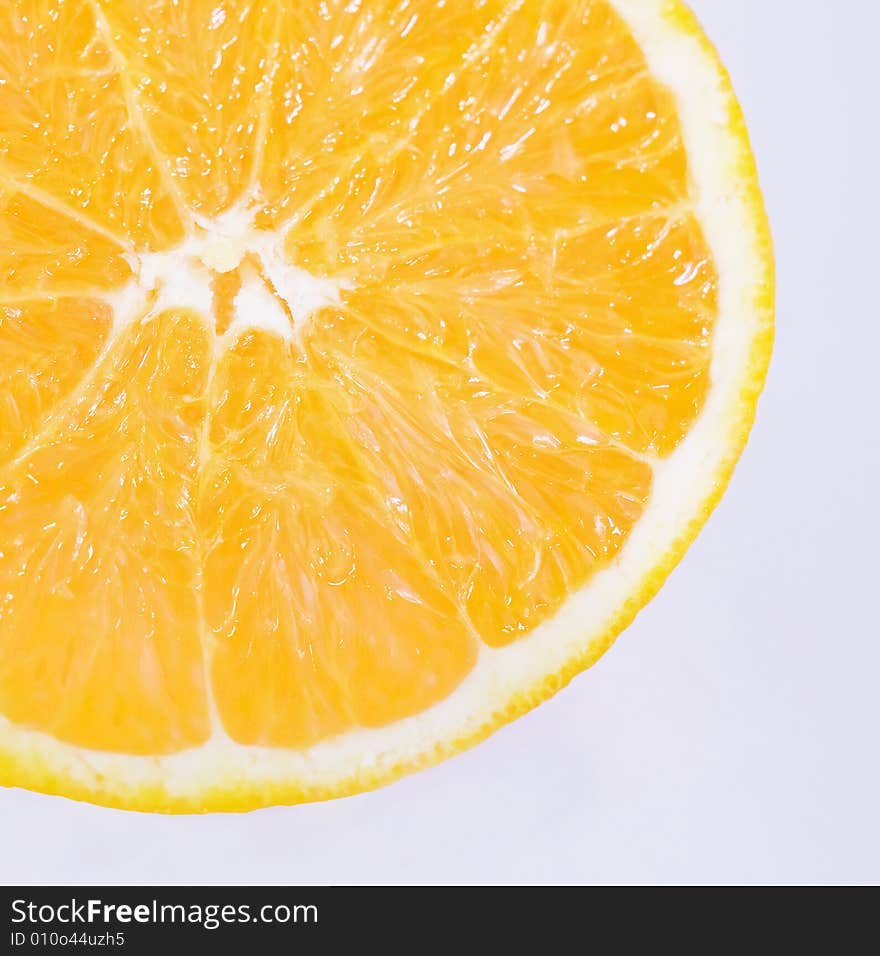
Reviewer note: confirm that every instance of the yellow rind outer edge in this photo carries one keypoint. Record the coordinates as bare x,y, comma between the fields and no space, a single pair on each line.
240,795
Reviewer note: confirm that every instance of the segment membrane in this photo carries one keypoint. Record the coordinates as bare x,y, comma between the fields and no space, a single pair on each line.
200,73
46,348
69,124
45,252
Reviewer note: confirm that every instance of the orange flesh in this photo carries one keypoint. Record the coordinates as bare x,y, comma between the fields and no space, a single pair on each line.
300,537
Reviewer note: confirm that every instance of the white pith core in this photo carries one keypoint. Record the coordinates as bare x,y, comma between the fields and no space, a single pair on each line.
275,296
682,483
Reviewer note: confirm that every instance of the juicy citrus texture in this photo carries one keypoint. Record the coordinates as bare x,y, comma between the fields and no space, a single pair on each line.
210,526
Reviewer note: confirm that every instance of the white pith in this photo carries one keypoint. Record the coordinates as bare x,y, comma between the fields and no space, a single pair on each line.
275,296
683,482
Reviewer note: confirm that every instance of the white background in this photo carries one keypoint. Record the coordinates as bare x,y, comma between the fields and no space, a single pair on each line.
732,733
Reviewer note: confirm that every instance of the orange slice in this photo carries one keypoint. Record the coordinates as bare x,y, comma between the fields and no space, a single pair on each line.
364,368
